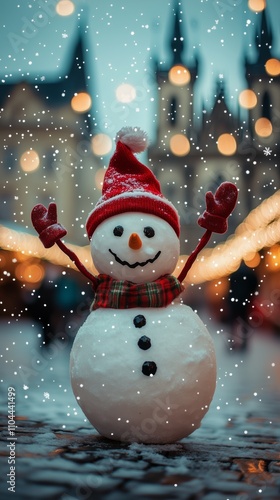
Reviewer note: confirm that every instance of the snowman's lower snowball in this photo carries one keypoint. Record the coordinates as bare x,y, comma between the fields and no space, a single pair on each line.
151,383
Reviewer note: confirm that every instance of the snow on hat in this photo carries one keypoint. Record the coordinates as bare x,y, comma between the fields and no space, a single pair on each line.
130,186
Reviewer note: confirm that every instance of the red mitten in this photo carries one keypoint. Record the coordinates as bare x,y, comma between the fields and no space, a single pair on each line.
45,222
218,207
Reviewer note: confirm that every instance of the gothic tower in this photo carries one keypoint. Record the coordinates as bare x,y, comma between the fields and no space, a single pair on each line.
263,79
45,132
175,89
186,159
175,127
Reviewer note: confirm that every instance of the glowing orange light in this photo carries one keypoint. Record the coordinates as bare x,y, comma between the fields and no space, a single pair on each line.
272,258
217,289
247,99
29,160
101,144
29,273
81,102
125,93
252,260
263,127
226,144
257,5
272,67
179,75
65,7
179,145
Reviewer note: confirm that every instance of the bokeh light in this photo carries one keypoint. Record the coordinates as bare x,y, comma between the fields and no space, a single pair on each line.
272,258
29,272
81,102
101,144
29,161
226,144
263,127
247,99
65,7
125,93
179,75
257,5
179,145
272,67
252,260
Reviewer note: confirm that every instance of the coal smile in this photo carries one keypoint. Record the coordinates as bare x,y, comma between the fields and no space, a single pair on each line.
136,264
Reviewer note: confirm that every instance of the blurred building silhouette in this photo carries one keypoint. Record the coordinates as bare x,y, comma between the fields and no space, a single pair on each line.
190,159
46,128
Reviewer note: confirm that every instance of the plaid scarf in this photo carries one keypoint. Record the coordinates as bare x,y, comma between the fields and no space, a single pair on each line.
121,294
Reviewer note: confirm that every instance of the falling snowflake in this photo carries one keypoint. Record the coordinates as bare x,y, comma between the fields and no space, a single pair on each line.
47,395
267,151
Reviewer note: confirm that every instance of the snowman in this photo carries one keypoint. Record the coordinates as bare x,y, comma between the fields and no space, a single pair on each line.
142,365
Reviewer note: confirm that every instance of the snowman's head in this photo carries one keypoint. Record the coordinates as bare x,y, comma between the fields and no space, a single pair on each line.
135,246
134,230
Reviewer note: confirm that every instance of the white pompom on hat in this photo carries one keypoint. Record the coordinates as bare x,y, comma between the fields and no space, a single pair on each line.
130,186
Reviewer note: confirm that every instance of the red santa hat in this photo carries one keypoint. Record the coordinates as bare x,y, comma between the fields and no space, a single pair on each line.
130,186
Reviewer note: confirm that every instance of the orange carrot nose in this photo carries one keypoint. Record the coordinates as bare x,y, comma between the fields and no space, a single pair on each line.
135,241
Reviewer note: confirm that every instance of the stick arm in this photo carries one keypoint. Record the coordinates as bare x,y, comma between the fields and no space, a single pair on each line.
219,206
50,231
204,240
77,263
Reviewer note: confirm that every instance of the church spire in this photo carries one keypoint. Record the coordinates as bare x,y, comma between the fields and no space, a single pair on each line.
263,40
177,40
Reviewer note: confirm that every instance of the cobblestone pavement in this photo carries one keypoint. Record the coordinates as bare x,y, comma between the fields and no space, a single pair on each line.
58,455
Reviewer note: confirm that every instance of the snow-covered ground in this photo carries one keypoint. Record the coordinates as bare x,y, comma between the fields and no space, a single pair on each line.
234,455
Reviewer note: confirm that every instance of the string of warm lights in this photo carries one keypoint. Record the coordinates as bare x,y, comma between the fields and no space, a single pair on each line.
28,246
265,213
226,258
260,229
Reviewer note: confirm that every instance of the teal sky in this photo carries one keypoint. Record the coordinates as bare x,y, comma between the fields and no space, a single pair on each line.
122,37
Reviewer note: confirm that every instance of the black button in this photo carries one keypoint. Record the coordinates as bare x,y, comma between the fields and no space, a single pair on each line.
149,368
139,321
144,343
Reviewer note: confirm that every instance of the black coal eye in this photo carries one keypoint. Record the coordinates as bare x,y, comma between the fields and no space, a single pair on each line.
118,230
149,232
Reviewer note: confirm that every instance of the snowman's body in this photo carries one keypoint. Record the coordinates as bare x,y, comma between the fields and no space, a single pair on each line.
142,374
122,403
